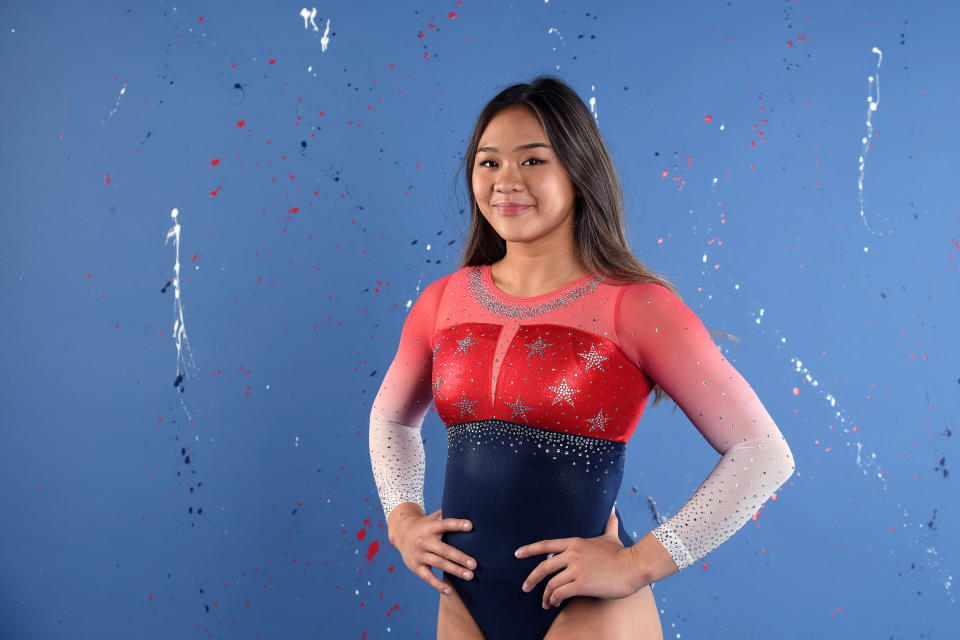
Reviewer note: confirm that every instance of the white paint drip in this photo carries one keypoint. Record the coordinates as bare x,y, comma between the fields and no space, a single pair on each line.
872,105
325,40
559,35
309,15
179,330
116,105
593,104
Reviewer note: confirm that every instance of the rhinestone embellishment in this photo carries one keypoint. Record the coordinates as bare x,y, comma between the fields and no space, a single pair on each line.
500,308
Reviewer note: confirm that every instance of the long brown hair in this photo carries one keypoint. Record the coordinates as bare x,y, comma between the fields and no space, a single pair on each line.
599,222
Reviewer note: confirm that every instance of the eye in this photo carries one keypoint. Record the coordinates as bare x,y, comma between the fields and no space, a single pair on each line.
487,163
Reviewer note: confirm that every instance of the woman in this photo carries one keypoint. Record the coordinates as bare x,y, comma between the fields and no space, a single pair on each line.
539,354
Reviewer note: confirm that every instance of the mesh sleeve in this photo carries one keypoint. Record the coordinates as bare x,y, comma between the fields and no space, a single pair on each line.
396,447
667,340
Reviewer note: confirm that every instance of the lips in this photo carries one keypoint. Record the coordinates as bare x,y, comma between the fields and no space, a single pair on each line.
509,209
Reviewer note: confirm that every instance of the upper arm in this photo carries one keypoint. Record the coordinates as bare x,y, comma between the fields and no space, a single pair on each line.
670,343
406,391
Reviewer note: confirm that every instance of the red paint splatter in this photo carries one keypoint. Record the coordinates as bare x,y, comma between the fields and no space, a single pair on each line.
372,550
272,61
708,118
215,162
194,258
453,14
395,607
240,124
107,177
664,174
213,194
361,534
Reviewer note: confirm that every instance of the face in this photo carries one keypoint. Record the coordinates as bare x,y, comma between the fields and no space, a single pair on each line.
516,165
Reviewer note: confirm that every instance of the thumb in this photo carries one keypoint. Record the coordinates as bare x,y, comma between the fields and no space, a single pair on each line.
613,528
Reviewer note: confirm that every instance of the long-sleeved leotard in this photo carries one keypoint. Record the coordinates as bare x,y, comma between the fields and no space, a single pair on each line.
539,397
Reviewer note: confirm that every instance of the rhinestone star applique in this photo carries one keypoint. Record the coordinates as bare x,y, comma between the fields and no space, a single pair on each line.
563,392
538,347
465,344
593,358
599,422
436,386
518,408
466,406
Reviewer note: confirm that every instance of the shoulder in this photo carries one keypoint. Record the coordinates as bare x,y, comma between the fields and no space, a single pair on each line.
647,294
432,293
652,303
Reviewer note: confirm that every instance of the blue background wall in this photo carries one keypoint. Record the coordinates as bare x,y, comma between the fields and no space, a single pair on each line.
316,192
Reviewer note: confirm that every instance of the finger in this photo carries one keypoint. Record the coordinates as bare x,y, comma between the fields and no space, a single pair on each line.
543,546
454,524
559,580
545,568
444,550
427,575
562,593
613,528
446,565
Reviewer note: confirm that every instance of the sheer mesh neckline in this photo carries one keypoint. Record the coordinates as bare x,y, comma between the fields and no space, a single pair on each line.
495,291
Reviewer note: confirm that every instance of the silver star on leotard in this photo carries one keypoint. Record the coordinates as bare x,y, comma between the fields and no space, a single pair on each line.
465,344
563,392
593,358
599,422
537,347
436,385
518,407
435,349
466,406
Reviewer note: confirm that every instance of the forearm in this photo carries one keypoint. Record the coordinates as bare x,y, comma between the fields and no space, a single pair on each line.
736,488
398,461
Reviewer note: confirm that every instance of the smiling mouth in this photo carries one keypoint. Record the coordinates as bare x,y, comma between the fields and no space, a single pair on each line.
512,209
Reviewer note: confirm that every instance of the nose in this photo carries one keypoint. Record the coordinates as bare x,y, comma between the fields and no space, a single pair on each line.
508,179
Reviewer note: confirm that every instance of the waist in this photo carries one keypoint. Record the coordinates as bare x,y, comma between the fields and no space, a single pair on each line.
519,484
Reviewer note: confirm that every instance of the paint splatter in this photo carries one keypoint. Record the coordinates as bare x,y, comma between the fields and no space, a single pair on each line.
116,105
872,104
179,329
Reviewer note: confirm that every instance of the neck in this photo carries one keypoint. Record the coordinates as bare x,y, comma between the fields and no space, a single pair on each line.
525,272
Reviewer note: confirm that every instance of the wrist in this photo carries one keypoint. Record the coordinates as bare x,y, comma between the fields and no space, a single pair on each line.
640,572
398,514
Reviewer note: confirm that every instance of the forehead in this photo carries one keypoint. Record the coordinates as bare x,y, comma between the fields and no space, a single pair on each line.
514,124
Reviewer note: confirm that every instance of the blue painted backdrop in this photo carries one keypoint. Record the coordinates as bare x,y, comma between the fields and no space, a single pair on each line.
224,490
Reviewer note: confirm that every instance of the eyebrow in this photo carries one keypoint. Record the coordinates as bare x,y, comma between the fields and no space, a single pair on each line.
521,147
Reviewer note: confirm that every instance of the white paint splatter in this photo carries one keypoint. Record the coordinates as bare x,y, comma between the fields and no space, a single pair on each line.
593,104
559,35
872,105
116,105
179,330
309,15
325,40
